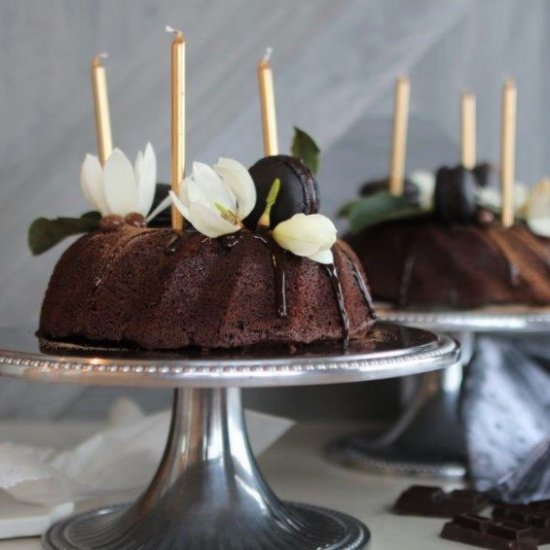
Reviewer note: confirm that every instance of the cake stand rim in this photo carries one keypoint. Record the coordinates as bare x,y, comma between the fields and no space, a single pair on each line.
435,352
511,319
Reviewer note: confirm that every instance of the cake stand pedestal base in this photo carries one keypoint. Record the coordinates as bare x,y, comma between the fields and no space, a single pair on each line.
427,440
208,493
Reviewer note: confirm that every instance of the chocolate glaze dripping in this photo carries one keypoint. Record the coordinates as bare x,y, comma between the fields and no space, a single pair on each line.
278,257
175,240
332,272
514,272
534,246
113,256
362,284
405,280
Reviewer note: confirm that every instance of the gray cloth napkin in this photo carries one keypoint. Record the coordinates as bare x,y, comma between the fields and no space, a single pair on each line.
506,414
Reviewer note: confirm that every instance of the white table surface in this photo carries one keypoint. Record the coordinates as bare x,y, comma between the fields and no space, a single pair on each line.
296,470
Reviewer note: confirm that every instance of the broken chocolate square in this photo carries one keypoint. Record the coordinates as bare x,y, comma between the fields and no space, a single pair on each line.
489,533
422,500
535,515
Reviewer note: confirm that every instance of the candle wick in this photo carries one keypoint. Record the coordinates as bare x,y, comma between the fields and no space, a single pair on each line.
172,30
267,56
96,62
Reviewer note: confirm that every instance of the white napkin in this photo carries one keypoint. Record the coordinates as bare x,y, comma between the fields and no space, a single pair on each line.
118,460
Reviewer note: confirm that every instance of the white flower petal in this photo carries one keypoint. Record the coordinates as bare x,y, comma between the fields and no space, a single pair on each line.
146,178
521,196
91,180
305,235
191,191
120,184
138,165
239,180
163,205
209,223
323,257
425,182
204,219
213,187
179,205
539,226
324,225
538,209
490,197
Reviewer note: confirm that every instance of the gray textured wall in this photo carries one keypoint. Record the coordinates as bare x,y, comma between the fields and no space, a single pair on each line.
334,61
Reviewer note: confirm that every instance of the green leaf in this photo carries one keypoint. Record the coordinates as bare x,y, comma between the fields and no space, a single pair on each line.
305,148
380,207
45,234
347,208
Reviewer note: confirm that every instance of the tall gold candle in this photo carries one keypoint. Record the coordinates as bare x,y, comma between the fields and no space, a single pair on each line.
101,104
399,138
468,130
508,150
267,104
178,119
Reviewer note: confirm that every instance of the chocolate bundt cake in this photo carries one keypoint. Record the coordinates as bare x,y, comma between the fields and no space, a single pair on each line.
157,289
422,263
151,288
456,256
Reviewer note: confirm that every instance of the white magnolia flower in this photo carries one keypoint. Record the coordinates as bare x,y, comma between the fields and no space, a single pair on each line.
117,187
425,182
537,209
311,236
216,200
491,197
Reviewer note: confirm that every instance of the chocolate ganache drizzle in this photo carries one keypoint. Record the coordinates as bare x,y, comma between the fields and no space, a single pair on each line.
278,256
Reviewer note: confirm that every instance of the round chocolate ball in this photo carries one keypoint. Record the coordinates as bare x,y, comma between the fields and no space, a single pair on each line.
298,193
135,219
111,222
486,175
455,195
410,190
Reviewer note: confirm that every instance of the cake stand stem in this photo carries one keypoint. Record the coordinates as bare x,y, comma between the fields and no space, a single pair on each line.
428,438
208,494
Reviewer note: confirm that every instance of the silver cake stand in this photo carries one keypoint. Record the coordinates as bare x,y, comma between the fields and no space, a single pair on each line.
208,492
428,439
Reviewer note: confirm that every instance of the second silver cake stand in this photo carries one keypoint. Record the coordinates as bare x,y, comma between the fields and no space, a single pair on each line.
208,493
428,439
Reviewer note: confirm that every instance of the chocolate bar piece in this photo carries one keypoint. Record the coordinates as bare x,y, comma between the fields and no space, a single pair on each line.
535,515
489,533
423,500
